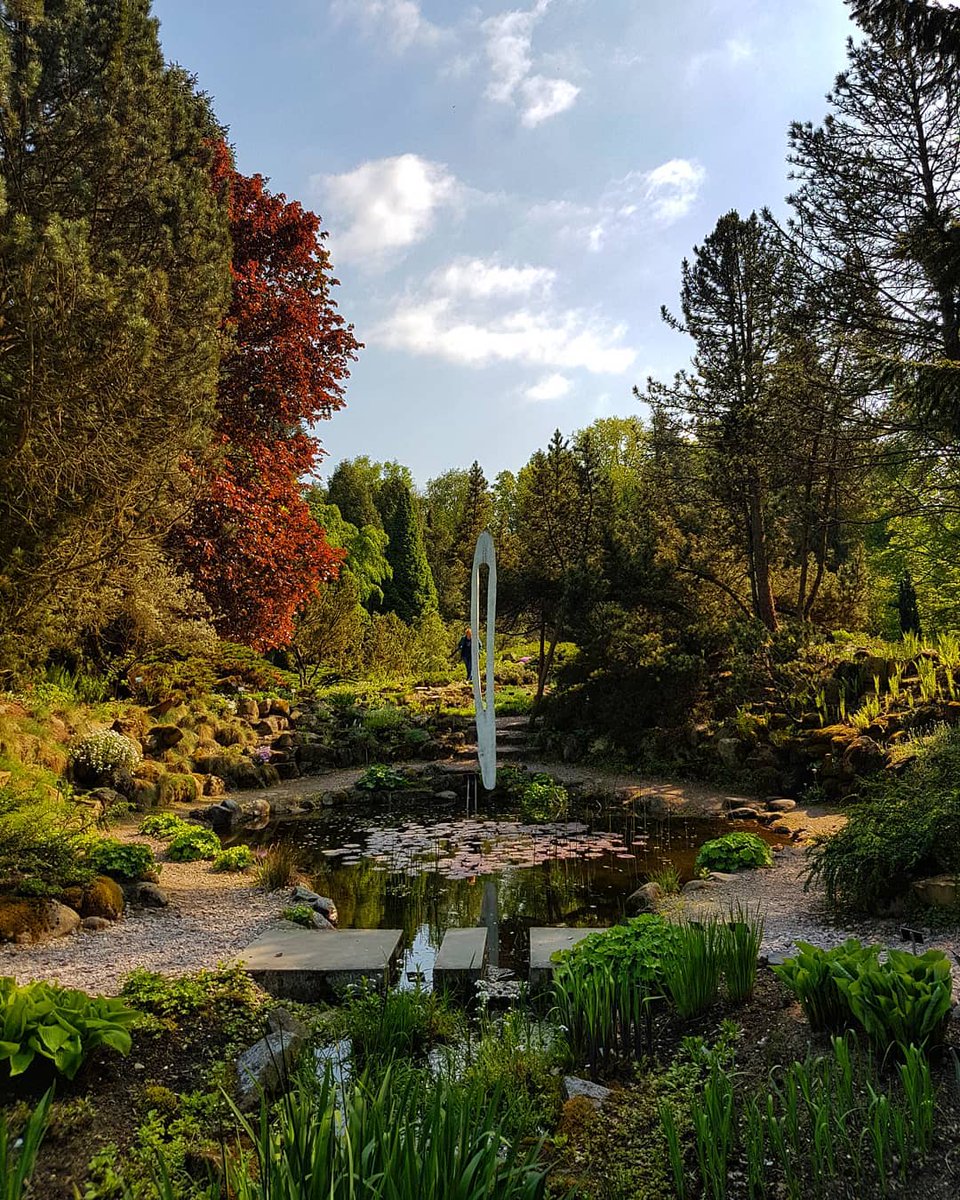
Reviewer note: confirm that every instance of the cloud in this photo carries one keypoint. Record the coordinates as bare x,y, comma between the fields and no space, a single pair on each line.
733,53
387,204
550,387
462,317
398,23
672,189
480,279
509,41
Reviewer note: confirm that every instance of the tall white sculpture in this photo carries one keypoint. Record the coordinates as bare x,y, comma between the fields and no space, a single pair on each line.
486,713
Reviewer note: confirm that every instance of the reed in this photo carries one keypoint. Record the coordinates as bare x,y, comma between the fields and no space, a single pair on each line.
18,1156
692,971
740,945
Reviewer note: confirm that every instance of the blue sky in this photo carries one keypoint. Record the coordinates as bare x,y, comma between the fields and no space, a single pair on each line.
509,191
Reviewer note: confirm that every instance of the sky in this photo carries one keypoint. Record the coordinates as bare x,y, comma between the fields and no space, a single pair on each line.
509,191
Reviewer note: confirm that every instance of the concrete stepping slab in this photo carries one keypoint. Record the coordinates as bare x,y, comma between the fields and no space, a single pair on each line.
547,941
309,964
461,960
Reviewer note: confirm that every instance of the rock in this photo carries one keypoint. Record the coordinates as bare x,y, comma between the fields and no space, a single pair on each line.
102,898
743,814
940,891
280,708
213,785
645,898
287,770
722,876
729,751
248,709
151,895
25,921
321,922
698,885
592,1092
230,816
729,802
95,924
268,726
164,737
862,757
104,799
781,829
320,904
144,794
781,805
265,1068
282,1019
448,794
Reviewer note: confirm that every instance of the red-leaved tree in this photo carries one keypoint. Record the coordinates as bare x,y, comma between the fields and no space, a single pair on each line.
254,550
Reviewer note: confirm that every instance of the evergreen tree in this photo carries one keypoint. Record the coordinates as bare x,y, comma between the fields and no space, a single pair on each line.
410,592
352,488
908,609
115,273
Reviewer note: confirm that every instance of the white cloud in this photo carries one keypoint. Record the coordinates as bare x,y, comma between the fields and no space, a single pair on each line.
733,53
467,327
509,41
398,23
550,387
672,189
386,204
477,278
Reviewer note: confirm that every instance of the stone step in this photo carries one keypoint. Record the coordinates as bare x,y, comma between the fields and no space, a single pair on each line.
545,942
312,964
513,722
469,753
461,960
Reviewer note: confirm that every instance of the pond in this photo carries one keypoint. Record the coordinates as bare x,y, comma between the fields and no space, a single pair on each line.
431,867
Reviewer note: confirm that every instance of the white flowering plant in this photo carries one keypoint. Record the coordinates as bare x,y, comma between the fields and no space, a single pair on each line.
103,755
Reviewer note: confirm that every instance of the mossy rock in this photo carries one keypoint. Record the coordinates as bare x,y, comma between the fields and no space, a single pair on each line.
233,733
35,920
144,795
179,789
102,898
149,770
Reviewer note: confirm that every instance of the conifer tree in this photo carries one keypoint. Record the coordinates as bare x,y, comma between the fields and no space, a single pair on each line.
410,592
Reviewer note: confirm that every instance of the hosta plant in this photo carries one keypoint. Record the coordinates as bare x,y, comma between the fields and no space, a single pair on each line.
734,852
60,1024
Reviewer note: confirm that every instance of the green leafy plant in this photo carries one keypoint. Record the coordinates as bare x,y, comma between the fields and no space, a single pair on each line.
380,778
812,974
901,1002
225,999
667,878
194,843
693,969
163,826
18,1156
734,852
100,757
236,858
383,1025
122,860
60,1024
740,950
299,914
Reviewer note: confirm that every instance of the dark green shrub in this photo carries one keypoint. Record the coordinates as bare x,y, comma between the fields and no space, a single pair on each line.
163,825
122,860
379,778
192,844
60,1024
733,852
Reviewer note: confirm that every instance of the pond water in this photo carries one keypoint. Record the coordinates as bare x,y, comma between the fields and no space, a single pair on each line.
429,868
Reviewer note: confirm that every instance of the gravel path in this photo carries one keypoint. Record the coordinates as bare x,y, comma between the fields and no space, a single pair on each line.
211,917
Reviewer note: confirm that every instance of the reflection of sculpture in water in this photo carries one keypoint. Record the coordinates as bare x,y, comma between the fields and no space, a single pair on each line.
486,714
490,916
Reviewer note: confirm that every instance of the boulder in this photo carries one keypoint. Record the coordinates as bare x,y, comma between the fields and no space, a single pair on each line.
729,751
265,1068
248,709
447,794
213,785
94,924
862,757
939,891
26,921
743,814
592,1092
321,904
144,794
280,708
781,805
645,898
698,885
102,898
164,737
151,895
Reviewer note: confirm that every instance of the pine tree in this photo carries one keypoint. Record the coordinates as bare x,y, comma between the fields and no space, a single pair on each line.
410,592
908,610
114,268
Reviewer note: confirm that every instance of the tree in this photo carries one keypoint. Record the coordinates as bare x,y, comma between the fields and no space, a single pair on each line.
114,276
908,610
256,552
876,216
352,488
932,27
444,504
410,592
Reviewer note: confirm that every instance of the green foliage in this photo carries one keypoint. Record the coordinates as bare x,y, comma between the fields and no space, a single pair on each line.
694,967
734,852
299,914
394,1022
18,1156
742,937
163,825
906,826
410,591
100,757
903,1001
224,999
380,778
540,797
667,879
277,867
236,858
122,860
192,844
60,1024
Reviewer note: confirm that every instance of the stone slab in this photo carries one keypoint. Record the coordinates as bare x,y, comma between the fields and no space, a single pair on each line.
306,965
545,942
461,960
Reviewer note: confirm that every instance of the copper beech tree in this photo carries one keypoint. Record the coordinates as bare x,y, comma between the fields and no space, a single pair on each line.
252,545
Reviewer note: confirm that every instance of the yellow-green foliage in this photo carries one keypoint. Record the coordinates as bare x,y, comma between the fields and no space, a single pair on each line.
179,789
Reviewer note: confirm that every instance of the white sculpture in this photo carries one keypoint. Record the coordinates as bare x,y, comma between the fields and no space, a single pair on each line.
484,705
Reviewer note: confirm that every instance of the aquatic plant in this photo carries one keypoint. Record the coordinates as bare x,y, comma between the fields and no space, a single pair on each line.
380,778
733,852
667,878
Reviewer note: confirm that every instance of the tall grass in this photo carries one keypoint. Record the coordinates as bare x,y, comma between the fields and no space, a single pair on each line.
692,972
277,867
741,949
18,1156
395,1023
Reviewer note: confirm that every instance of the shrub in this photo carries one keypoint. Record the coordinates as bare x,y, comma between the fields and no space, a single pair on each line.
163,826
299,914
395,1023
900,1002
60,1024
277,867
379,778
193,844
122,860
733,852
237,858
100,757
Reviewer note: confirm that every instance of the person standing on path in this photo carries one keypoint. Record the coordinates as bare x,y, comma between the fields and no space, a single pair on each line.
465,651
